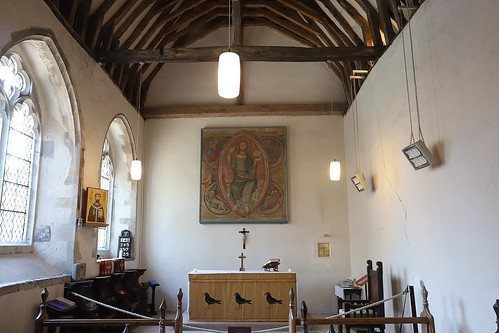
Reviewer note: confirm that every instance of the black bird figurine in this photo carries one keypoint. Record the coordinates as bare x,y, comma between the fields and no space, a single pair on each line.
210,300
241,301
271,300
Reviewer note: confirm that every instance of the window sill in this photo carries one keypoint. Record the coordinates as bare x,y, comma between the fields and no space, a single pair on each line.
15,248
27,271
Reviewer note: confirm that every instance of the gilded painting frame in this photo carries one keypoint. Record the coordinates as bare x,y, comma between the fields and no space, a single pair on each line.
96,207
244,175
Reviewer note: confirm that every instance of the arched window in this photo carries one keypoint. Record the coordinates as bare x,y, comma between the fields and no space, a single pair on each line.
115,176
37,97
19,140
106,183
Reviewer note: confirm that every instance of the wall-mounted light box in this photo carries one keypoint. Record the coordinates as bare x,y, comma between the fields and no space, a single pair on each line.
359,182
419,155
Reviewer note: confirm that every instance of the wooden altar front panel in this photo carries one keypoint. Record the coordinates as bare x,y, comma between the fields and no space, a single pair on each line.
251,286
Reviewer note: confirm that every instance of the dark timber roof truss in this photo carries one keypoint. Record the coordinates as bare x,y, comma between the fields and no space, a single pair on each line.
134,39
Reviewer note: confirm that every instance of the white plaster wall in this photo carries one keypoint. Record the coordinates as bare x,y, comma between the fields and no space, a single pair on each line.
99,101
439,224
18,308
175,241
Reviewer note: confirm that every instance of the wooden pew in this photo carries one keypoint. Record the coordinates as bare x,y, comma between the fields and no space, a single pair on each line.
496,310
425,319
43,322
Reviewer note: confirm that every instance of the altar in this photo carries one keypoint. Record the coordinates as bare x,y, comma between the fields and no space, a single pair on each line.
239,296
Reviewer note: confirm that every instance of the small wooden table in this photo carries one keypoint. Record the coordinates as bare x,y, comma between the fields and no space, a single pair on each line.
346,293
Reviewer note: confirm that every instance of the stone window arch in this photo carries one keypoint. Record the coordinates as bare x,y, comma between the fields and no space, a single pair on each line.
122,204
39,99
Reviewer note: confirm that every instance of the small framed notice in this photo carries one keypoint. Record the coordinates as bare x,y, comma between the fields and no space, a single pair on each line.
125,245
323,250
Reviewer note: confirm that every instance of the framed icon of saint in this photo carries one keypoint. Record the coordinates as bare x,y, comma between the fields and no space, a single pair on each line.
96,208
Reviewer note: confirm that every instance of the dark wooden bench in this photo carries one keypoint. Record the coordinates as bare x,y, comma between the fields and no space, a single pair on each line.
43,322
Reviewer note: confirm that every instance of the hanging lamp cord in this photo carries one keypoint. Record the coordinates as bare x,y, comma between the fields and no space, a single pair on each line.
355,134
357,131
230,17
411,140
138,111
418,118
415,85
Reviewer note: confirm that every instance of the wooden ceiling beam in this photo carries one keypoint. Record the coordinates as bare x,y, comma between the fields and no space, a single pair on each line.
210,24
373,20
281,12
198,29
185,41
335,13
334,33
302,9
237,23
286,24
78,15
204,13
157,39
131,18
247,53
397,15
169,112
155,27
96,21
271,25
386,22
359,19
183,8
149,18
333,30
105,37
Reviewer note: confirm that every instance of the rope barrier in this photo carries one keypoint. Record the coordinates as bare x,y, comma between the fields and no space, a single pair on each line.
110,306
272,329
257,331
202,329
370,305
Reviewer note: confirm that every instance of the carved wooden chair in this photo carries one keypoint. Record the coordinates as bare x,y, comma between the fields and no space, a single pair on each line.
496,310
374,293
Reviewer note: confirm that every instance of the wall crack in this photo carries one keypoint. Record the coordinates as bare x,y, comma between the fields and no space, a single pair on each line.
386,173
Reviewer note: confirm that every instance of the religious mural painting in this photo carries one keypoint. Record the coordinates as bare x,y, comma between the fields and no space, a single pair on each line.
96,207
243,175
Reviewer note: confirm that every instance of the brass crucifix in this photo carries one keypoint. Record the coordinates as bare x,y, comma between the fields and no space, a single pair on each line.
244,232
242,256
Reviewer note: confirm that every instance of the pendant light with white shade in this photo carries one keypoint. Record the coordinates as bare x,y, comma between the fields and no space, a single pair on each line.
229,70
136,167
334,170
334,165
